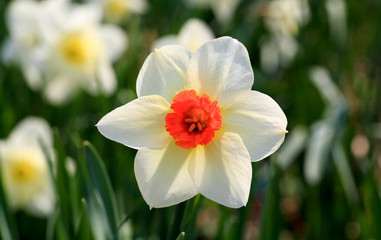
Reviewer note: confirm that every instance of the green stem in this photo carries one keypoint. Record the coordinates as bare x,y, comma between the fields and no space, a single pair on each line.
176,224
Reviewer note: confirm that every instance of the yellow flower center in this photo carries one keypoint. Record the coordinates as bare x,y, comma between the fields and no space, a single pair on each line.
23,171
79,49
116,8
24,174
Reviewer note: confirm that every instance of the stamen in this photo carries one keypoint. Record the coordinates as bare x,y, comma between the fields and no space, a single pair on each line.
189,120
193,120
199,126
192,127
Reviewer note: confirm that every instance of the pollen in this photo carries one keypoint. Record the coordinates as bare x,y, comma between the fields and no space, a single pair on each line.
194,119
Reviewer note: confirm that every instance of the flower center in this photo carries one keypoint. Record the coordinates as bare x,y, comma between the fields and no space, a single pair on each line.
23,172
193,120
79,48
116,8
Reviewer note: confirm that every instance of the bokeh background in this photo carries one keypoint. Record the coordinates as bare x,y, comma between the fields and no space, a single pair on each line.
320,61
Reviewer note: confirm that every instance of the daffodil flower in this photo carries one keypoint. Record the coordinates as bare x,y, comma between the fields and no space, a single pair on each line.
287,16
81,51
24,169
116,10
197,124
62,47
283,19
192,35
29,29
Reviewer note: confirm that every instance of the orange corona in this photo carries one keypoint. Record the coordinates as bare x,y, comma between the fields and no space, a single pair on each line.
193,120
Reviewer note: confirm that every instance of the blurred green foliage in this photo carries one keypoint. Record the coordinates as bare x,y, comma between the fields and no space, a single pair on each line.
343,201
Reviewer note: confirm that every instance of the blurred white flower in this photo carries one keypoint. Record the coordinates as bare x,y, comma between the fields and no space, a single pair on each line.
224,10
197,124
283,19
287,16
192,35
80,54
24,169
277,51
62,47
28,29
116,10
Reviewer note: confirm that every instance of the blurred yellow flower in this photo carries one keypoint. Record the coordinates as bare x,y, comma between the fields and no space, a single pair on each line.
24,169
197,125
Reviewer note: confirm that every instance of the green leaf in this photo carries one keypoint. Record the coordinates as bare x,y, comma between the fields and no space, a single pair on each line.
318,150
269,227
7,223
181,236
292,146
83,227
347,180
372,201
63,186
101,190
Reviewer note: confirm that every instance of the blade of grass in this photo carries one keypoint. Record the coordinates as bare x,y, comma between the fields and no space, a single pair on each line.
102,186
176,222
7,223
83,231
181,236
269,227
56,228
188,223
63,185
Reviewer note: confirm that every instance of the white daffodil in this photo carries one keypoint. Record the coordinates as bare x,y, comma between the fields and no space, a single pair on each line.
81,51
192,35
283,19
63,47
197,124
116,10
287,16
24,169
277,50
29,29
224,10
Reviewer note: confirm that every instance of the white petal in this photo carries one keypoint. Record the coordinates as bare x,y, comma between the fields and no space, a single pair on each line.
138,124
221,68
104,82
29,132
163,177
258,120
164,72
114,40
194,33
32,74
42,204
137,6
222,170
60,89
224,9
85,15
165,41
